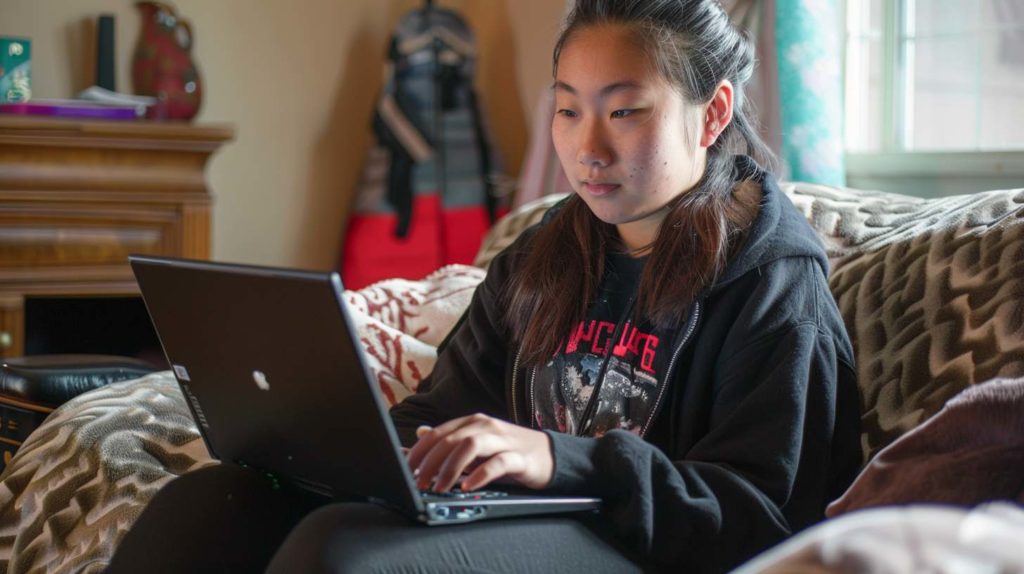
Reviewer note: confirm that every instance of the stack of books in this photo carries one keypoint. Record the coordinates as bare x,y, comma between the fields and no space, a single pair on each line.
94,102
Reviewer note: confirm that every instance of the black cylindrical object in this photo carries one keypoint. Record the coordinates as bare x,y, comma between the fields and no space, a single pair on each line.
105,53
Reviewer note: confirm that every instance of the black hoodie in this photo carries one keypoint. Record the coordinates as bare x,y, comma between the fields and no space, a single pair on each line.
758,431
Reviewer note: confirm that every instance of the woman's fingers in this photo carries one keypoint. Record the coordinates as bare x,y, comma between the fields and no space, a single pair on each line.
503,464
458,460
428,437
451,454
489,448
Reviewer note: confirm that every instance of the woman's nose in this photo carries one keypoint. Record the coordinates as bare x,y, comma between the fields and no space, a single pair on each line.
594,150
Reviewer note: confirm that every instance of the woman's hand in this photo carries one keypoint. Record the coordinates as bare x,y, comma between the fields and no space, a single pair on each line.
488,447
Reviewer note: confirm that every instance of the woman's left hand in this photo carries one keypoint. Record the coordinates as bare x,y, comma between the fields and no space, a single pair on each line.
492,448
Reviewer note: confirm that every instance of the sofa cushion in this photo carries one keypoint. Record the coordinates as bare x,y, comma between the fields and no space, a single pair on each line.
509,227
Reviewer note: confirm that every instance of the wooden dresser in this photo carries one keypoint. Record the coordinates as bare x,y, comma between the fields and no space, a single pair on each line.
76,197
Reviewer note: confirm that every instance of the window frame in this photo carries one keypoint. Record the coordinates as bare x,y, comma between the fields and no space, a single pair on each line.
908,170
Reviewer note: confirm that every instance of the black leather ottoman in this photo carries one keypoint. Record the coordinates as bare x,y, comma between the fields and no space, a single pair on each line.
32,387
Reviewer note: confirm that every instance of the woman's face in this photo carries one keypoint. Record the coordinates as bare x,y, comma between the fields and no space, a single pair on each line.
620,131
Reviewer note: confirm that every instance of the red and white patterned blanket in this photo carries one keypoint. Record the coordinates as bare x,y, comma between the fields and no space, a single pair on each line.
402,322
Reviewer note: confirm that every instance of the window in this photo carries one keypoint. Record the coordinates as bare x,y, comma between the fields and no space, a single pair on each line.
934,75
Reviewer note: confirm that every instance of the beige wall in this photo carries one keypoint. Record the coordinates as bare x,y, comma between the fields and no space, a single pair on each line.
297,79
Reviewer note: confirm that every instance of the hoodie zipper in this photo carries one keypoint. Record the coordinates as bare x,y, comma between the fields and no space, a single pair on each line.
533,372
533,378
690,328
590,411
515,369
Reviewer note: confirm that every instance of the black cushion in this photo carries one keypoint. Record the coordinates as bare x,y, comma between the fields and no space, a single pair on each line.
51,380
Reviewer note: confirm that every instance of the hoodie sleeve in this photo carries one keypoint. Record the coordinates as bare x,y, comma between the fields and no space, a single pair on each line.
757,472
469,376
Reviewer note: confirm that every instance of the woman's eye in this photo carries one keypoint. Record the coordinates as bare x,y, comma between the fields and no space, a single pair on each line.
621,113
566,113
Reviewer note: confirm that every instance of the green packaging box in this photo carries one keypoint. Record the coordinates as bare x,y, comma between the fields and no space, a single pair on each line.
15,70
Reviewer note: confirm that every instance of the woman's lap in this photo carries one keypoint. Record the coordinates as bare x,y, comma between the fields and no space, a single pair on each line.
360,537
221,518
225,518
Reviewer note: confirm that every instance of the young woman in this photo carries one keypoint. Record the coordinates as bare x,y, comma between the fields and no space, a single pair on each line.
665,339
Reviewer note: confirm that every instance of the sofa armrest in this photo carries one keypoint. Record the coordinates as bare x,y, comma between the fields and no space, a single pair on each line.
49,381
32,387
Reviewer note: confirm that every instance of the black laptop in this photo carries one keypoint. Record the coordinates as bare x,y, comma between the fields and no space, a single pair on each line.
270,366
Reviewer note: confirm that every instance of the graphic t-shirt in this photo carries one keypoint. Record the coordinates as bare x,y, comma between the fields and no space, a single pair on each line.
633,358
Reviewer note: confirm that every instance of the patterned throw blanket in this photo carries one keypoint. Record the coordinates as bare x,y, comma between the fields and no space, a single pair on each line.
932,293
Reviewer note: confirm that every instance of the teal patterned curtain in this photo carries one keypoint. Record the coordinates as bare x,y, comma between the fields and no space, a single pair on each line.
809,39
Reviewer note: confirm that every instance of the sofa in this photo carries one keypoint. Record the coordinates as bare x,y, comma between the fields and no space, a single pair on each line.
932,293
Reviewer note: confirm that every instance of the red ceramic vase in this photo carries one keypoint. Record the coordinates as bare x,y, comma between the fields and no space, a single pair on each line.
162,66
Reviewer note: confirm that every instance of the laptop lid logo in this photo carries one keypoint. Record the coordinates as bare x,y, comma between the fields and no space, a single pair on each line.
261,380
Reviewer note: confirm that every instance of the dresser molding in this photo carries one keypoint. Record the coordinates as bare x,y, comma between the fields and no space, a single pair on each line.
76,197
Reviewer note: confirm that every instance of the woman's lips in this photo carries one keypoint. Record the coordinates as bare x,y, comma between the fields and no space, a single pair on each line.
599,189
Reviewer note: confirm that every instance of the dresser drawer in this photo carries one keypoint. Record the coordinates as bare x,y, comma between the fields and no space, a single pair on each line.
69,234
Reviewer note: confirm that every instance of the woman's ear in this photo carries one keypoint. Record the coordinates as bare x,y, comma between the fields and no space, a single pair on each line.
717,114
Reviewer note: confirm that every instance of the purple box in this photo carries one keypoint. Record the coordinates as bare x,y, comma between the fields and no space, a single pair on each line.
70,109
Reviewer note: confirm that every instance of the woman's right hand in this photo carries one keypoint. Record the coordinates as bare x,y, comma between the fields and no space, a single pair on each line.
487,448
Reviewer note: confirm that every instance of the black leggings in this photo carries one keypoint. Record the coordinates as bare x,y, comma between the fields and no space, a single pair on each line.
228,519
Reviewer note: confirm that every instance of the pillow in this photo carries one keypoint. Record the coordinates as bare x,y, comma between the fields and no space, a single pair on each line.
971,452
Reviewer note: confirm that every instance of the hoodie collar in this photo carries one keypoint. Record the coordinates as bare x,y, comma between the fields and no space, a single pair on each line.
778,231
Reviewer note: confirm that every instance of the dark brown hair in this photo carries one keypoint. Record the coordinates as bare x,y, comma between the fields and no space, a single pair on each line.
694,47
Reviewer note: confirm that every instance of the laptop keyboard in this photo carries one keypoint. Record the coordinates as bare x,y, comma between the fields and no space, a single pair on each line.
456,494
